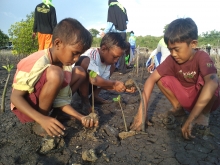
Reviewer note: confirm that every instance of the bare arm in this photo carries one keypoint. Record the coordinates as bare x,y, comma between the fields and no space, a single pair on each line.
101,82
207,93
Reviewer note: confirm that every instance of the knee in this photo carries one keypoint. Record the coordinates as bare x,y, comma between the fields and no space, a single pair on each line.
55,75
159,83
167,80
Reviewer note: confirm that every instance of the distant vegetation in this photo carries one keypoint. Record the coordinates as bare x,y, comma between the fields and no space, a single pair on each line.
20,35
211,37
4,39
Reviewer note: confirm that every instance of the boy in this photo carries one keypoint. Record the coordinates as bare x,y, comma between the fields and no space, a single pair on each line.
45,80
101,60
187,78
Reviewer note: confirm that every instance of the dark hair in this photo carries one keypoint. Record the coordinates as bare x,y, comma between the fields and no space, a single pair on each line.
71,32
112,39
128,45
181,30
132,32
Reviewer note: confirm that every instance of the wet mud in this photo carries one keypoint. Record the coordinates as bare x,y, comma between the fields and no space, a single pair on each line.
161,144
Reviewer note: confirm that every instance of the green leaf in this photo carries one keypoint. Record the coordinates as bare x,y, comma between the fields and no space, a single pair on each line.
117,98
11,66
8,67
5,67
92,74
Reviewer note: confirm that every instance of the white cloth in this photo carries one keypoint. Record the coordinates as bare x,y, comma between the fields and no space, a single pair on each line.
162,47
96,64
153,53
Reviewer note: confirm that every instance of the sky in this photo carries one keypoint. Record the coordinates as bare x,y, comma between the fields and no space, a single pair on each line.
146,17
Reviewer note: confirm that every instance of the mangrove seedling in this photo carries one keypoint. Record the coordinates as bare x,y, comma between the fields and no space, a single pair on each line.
118,99
92,75
131,83
126,134
93,115
8,67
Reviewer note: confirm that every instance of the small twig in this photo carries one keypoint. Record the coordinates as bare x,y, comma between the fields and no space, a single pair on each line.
137,63
142,102
126,128
8,67
4,94
142,74
93,107
92,75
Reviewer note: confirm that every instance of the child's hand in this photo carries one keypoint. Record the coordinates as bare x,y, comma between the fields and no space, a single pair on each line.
187,130
87,121
52,126
119,86
132,90
151,67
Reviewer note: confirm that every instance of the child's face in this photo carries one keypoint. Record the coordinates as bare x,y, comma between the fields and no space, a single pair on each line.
111,56
69,54
181,51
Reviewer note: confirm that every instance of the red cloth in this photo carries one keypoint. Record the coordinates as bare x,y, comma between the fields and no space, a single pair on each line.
187,96
33,99
187,73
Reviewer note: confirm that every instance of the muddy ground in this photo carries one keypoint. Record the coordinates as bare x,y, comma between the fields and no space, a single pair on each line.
161,144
